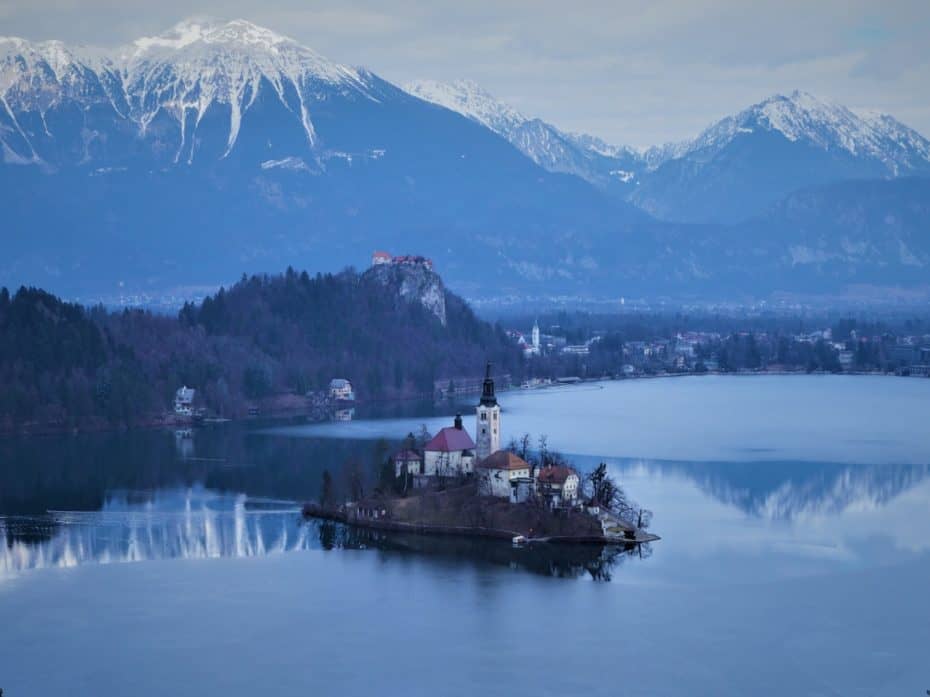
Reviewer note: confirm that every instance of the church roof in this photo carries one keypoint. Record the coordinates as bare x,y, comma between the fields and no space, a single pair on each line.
503,460
451,439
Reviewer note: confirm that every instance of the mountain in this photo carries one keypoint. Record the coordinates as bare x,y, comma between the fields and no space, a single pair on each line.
742,164
607,166
165,167
185,158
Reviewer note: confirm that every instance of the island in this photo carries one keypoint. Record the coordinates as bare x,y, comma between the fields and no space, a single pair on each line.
452,484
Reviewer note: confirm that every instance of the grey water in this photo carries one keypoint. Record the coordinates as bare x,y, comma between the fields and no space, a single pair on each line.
794,513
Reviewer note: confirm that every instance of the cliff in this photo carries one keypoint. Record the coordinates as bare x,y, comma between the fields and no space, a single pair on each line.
412,283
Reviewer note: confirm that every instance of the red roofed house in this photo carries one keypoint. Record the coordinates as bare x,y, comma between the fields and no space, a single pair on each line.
558,485
451,452
496,472
407,461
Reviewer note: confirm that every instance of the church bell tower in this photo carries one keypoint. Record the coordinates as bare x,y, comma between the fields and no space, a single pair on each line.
488,426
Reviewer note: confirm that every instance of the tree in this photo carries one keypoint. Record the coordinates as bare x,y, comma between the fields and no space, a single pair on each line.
326,489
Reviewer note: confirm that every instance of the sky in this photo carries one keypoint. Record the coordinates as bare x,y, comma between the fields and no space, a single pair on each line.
637,73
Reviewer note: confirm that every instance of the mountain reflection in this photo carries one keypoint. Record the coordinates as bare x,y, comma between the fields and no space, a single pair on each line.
790,490
190,524
200,524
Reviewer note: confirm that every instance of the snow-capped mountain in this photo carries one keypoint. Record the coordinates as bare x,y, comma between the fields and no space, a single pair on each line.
219,147
743,163
162,87
585,156
222,147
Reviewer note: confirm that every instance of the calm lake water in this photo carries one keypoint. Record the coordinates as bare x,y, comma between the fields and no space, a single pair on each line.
795,556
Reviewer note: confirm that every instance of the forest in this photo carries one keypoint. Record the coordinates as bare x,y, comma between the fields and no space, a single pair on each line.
64,366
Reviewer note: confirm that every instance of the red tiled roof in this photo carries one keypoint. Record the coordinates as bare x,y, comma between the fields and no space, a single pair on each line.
554,475
451,439
407,456
503,460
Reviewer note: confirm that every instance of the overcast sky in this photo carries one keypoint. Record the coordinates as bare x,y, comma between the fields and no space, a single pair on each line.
637,73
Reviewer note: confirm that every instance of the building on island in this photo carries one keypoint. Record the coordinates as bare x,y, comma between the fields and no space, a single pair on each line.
407,462
488,417
451,452
184,401
340,389
558,485
496,473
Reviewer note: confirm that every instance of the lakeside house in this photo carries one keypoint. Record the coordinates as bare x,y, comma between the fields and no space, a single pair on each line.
498,473
558,485
407,462
184,401
340,390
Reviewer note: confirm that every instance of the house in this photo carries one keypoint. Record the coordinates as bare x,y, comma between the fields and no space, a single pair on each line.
407,462
340,389
496,472
184,401
558,485
451,452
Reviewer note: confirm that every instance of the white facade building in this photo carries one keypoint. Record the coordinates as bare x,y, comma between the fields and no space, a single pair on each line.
496,472
184,401
340,389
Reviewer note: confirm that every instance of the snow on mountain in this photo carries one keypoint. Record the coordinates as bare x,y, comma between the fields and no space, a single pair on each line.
196,65
557,151
802,117
201,62
468,99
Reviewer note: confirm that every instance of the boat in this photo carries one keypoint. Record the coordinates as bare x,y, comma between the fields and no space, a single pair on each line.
519,541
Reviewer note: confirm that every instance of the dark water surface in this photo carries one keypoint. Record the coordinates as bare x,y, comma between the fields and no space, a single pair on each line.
795,556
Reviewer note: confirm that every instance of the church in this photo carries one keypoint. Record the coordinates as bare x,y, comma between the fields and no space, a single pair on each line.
499,473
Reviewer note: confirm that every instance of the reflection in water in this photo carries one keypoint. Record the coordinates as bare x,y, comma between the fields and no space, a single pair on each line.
789,490
562,561
200,524
191,524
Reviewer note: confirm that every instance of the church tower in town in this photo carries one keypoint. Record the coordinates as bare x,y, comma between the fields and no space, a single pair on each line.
488,427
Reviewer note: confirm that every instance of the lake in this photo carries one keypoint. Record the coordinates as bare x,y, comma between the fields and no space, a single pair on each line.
794,513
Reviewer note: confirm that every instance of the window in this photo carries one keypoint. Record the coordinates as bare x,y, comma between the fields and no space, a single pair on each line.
484,416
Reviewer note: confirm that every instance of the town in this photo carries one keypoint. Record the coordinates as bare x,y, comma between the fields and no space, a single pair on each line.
654,345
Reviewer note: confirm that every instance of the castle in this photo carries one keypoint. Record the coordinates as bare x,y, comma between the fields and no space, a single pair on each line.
383,258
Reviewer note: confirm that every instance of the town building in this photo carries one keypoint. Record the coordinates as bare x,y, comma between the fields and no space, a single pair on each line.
451,452
496,472
488,418
407,462
558,485
184,401
340,389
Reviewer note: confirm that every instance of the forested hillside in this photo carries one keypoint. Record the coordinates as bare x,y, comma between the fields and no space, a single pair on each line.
64,366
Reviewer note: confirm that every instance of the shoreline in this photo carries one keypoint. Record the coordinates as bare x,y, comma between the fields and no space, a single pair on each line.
168,421
315,511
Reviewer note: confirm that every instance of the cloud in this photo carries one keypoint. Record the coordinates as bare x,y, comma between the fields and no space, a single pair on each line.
637,71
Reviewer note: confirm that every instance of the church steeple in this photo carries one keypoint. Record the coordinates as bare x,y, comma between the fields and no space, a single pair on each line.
487,389
488,420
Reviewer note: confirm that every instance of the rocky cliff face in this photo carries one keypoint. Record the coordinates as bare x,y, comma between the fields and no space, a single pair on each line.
412,283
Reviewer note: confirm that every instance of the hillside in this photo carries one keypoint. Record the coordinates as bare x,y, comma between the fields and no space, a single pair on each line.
266,336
